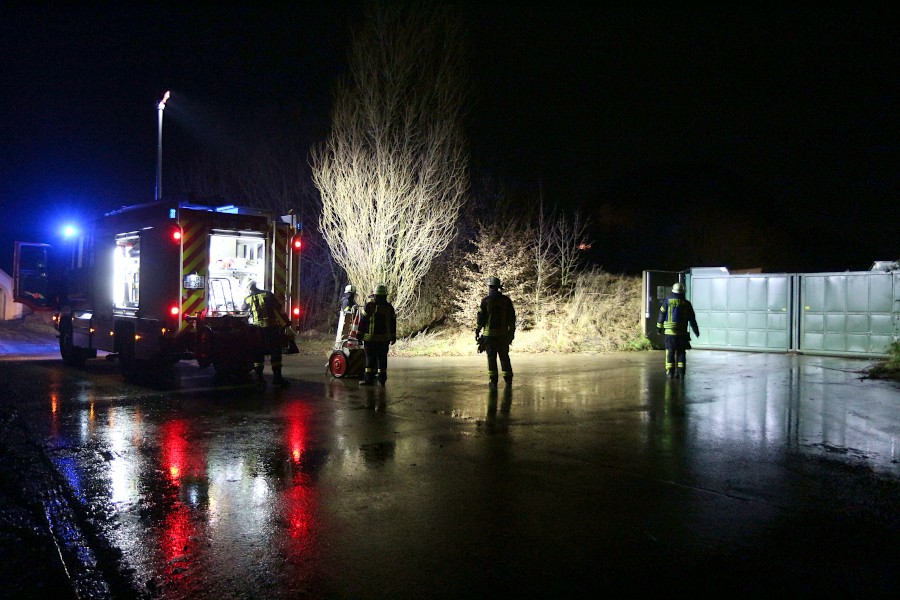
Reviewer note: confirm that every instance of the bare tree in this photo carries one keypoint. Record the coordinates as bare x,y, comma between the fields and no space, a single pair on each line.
545,251
570,240
393,172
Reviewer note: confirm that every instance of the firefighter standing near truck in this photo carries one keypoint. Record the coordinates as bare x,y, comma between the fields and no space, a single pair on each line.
267,315
378,329
675,314
497,317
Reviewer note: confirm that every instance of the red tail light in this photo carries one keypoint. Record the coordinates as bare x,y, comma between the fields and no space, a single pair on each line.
296,311
176,234
174,310
296,242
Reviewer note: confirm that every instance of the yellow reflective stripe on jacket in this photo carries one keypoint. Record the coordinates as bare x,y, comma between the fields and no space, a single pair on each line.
260,310
670,326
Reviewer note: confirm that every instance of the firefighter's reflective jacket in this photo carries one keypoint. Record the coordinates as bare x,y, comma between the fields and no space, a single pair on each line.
675,314
265,310
378,321
348,301
496,316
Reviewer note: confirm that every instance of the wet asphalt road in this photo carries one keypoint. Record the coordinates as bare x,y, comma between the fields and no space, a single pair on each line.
759,473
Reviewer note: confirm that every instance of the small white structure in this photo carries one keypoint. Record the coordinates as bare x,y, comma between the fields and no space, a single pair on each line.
8,309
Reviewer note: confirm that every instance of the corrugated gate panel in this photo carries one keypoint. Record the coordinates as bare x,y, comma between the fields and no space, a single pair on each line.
757,321
744,312
835,293
835,323
858,324
859,297
758,294
846,313
881,294
719,294
850,313
756,339
737,338
896,310
737,294
737,320
813,291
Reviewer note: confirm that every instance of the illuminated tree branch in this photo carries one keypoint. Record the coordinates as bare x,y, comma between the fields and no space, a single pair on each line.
393,173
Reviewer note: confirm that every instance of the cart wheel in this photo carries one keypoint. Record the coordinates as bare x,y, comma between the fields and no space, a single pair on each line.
337,364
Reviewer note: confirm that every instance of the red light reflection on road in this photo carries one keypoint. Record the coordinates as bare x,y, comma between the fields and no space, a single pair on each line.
54,415
185,466
178,531
175,452
298,498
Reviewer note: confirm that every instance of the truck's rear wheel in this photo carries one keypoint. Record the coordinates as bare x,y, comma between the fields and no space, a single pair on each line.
71,354
204,345
232,372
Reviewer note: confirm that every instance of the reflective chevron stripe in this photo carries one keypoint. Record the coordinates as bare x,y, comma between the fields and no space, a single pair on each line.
194,259
281,248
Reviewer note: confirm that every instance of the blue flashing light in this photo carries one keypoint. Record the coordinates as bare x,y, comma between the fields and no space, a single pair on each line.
173,213
69,231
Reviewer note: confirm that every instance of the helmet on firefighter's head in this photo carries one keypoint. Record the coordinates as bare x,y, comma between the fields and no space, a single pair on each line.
494,282
678,288
251,285
349,289
380,290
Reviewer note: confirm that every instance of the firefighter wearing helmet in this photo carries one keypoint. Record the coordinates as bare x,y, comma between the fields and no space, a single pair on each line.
497,317
675,314
348,299
378,330
267,315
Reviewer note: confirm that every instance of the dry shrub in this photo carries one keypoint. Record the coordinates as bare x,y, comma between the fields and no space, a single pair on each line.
443,342
602,314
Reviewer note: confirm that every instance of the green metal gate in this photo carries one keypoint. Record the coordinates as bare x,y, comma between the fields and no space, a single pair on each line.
850,314
741,312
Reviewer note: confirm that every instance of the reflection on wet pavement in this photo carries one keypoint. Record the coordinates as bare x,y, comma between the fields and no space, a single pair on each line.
329,490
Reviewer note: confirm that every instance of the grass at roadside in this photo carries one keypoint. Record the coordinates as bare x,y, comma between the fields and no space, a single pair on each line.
889,369
600,314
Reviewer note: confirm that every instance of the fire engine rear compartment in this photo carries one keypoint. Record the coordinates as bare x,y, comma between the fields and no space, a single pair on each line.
234,260
214,266
165,285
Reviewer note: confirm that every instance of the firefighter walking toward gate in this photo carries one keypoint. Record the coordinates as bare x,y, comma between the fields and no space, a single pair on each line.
378,330
675,314
497,317
267,315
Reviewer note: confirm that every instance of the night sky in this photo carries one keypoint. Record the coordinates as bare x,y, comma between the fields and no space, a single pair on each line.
730,137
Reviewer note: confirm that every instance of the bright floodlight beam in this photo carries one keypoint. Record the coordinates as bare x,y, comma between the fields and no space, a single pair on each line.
159,110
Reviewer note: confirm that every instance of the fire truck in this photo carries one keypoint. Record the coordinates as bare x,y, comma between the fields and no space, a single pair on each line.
157,283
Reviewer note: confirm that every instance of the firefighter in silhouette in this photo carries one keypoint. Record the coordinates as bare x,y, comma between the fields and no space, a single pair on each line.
266,314
348,299
378,330
346,314
675,314
497,317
